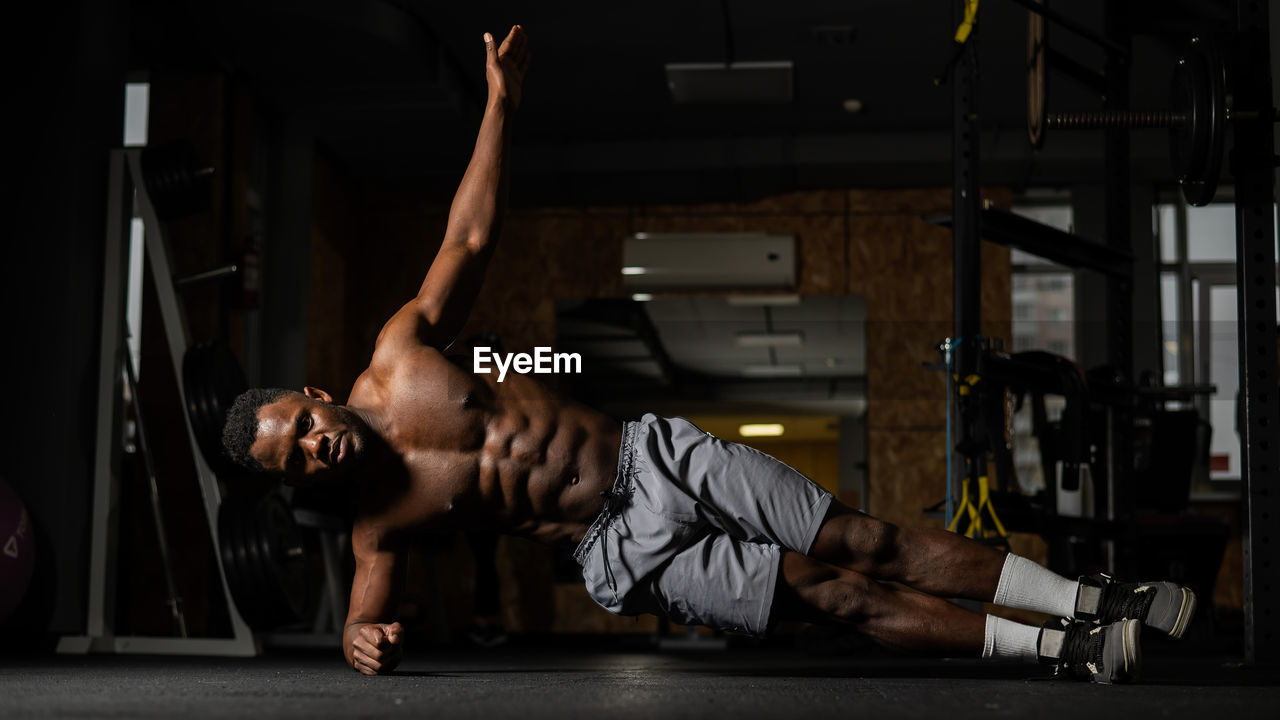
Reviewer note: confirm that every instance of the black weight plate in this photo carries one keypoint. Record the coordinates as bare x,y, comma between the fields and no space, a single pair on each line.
1195,148
213,379
192,362
205,394
213,420
1199,190
228,381
195,380
256,563
231,523
247,599
257,566
273,518
1187,145
208,390
285,548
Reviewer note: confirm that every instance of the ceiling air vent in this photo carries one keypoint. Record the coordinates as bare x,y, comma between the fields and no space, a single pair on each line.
739,82
690,261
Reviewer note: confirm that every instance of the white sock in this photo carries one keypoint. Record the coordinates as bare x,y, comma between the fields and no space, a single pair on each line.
1008,639
1030,586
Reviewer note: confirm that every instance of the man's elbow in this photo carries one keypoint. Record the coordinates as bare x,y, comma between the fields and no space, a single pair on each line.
430,310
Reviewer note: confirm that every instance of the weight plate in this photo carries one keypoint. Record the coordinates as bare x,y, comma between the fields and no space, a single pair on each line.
231,537
213,379
191,374
284,544
1037,78
1195,147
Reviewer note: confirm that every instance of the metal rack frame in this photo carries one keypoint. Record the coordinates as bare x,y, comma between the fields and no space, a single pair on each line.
125,187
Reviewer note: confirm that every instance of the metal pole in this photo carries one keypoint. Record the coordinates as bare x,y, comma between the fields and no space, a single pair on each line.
966,238
1119,292
1253,165
162,541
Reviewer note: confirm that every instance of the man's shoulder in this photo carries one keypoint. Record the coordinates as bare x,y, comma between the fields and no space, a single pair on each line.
393,359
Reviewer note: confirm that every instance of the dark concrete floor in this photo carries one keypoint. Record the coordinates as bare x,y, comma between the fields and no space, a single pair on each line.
577,683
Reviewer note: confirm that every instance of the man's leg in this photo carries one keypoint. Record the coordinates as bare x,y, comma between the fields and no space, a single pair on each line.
894,618
939,563
949,565
912,622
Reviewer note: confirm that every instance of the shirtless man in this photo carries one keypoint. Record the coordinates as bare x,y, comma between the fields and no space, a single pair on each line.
666,518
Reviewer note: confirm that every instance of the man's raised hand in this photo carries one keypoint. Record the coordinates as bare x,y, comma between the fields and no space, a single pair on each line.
378,648
505,66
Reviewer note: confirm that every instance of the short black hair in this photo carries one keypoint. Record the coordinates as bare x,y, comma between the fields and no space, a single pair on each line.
241,428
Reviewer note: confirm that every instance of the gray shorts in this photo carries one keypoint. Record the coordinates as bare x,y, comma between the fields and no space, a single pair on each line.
694,528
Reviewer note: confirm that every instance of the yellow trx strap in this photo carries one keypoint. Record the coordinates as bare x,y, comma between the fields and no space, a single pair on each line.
973,513
984,503
970,15
968,511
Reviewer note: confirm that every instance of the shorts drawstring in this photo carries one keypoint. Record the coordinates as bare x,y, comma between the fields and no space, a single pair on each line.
615,500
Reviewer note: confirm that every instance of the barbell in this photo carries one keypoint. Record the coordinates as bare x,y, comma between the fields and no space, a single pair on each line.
177,182
1196,118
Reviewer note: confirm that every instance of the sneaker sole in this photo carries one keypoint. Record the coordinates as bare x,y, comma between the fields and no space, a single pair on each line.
1132,651
1185,613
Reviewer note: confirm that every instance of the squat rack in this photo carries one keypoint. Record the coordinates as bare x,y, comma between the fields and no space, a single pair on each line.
1252,163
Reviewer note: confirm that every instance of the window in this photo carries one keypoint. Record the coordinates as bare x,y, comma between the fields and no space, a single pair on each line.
1199,318
1043,319
1043,292
137,97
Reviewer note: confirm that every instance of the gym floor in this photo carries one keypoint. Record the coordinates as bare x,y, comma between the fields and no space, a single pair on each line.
528,680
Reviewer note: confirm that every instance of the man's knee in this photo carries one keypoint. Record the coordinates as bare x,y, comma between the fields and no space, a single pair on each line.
824,592
849,597
882,543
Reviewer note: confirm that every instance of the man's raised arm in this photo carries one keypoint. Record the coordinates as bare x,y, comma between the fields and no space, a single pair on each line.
456,274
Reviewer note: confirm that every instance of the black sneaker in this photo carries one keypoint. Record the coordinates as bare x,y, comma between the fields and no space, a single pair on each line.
1084,651
1165,606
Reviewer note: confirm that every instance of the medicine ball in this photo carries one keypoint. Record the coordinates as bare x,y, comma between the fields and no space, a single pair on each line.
17,550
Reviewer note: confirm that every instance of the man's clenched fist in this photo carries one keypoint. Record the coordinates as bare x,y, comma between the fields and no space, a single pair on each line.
377,647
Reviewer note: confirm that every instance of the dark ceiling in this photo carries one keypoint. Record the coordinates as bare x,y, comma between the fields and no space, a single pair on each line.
392,89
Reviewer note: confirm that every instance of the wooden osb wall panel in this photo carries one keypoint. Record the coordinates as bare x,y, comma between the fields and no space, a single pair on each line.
544,256
918,202
822,250
901,393
332,228
908,473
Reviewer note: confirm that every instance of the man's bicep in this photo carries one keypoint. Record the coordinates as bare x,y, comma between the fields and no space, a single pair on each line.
448,292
